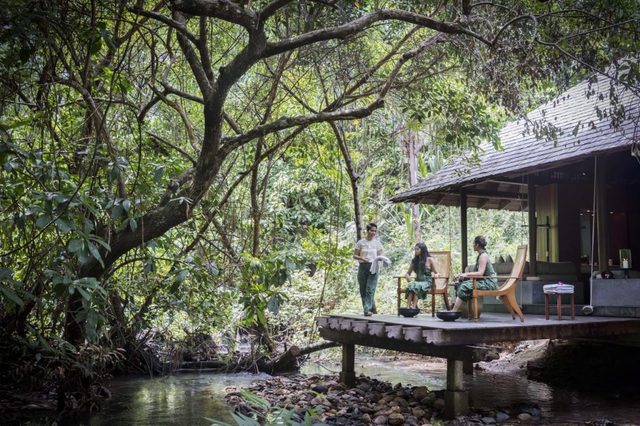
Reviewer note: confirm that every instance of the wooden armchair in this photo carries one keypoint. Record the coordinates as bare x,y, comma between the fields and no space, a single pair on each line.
440,285
507,291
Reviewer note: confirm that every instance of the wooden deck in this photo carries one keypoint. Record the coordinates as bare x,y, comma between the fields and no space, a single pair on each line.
490,328
461,342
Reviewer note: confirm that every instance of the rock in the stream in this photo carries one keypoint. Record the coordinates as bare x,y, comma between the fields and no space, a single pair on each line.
380,420
418,412
524,417
316,401
396,419
502,416
320,388
420,392
401,402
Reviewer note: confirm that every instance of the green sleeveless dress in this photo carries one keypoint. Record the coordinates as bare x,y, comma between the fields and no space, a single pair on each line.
465,288
422,285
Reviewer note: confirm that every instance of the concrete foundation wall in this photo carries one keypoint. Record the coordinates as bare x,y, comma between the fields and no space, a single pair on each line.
618,293
611,298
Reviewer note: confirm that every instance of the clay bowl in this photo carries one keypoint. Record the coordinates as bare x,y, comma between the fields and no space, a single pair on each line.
408,312
448,315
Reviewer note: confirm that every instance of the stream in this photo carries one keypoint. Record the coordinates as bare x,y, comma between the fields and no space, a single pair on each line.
190,398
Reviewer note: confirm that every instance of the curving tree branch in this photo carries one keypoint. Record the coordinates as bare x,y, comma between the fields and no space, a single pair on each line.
359,24
232,143
226,10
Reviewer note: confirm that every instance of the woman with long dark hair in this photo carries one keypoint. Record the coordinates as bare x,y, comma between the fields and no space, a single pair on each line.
486,277
425,268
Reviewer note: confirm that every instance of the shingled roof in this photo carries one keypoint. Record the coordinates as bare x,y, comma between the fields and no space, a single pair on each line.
586,124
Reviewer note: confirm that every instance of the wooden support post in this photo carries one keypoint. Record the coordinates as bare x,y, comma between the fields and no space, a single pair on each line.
533,228
467,366
348,373
602,214
456,399
463,229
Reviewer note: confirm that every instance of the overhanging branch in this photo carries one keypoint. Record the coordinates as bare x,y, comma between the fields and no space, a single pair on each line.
365,21
226,10
232,143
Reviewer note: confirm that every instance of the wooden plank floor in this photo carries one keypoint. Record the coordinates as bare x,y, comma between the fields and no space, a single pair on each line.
490,328
486,320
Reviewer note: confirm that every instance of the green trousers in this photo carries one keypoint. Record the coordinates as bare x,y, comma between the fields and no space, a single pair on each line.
368,283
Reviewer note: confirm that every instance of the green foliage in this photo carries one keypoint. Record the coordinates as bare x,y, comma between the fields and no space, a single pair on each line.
463,119
261,285
263,413
7,285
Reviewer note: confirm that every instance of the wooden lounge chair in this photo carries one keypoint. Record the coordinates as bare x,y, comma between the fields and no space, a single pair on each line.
440,285
507,291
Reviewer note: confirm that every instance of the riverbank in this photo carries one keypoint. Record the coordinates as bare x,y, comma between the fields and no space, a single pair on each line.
321,398
389,384
501,392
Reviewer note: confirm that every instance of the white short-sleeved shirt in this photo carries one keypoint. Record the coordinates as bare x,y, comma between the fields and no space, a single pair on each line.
369,249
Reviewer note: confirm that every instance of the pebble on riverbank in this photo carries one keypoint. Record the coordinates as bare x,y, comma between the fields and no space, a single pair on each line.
370,402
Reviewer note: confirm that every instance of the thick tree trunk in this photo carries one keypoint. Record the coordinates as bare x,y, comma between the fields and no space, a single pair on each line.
153,225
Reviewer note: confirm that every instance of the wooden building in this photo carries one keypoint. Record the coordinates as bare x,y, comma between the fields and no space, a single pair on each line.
574,165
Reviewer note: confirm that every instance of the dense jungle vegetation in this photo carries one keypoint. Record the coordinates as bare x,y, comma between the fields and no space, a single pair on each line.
178,169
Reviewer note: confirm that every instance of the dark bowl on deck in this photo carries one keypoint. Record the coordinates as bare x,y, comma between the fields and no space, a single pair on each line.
408,312
448,315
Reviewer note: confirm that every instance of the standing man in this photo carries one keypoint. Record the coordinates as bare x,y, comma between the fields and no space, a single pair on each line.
367,249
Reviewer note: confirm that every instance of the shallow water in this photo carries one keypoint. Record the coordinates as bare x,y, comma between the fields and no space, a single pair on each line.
185,399
188,399
490,391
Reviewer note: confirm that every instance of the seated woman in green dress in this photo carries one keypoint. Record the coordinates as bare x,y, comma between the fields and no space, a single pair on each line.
483,272
425,268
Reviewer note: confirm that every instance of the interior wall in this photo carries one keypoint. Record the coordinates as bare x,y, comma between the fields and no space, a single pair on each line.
624,222
623,211
573,199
